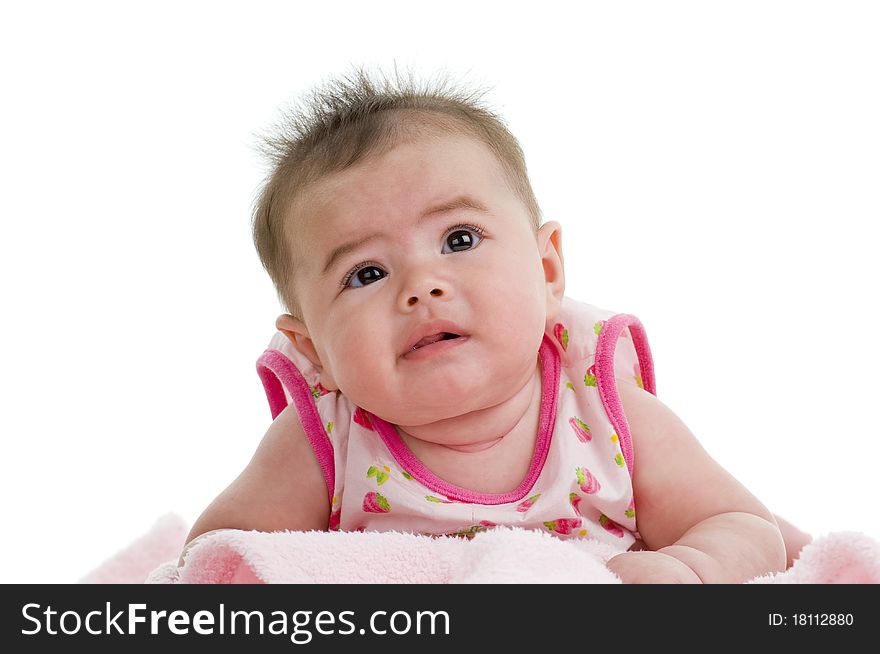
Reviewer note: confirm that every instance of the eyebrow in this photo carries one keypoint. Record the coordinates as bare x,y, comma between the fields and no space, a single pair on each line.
461,202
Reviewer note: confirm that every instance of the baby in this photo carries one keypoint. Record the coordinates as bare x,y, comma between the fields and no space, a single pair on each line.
439,380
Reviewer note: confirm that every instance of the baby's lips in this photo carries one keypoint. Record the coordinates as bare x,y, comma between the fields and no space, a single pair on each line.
428,329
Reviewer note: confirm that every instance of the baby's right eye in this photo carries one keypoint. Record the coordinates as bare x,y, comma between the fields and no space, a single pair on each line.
363,274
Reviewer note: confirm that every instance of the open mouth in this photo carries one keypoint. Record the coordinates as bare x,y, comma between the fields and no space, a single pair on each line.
435,338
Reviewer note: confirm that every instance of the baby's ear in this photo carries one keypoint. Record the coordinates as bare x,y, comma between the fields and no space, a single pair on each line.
298,335
550,249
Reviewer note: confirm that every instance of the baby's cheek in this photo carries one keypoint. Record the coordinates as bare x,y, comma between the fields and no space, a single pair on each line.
519,331
359,372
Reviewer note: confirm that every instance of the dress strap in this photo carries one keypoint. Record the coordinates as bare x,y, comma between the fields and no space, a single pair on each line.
605,378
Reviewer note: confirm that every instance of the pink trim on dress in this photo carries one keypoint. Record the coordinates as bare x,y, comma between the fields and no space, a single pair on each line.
550,368
605,378
274,368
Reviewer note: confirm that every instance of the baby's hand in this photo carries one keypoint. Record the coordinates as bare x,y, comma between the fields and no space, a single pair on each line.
647,567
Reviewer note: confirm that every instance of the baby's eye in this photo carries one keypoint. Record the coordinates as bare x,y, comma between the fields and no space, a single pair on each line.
364,274
463,237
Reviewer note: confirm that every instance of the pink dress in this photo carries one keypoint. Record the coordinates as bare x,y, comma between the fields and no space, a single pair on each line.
579,483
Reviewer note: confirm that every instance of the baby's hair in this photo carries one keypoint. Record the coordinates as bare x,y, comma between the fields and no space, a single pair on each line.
349,119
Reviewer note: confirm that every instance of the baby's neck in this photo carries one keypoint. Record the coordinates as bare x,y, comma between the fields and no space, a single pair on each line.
481,430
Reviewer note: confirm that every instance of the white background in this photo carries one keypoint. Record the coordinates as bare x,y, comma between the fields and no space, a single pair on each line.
715,168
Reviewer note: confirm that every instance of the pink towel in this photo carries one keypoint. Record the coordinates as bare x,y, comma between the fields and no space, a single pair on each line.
501,555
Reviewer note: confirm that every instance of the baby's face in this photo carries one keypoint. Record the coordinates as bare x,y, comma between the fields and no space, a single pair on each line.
428,238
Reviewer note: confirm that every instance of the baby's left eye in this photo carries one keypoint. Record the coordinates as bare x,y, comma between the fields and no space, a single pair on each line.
462,238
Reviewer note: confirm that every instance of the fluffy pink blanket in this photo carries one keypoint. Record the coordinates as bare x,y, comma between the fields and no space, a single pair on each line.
501,555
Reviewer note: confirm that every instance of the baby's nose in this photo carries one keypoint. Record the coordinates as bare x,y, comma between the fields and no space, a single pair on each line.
435,292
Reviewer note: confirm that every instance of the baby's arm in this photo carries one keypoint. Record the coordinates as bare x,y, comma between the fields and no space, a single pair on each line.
698,522
281,488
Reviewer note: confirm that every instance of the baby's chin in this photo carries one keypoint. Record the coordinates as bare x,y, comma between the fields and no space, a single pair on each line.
425,408
413,413
433,393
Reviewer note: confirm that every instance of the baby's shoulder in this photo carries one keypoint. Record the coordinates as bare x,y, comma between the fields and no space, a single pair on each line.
575,331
